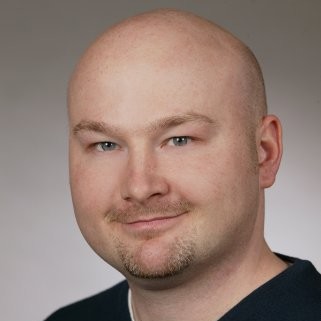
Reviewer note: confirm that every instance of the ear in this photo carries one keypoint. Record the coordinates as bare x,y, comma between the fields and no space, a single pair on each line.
269,149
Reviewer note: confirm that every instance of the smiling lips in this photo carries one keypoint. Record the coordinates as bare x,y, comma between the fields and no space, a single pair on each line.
154,223
154,218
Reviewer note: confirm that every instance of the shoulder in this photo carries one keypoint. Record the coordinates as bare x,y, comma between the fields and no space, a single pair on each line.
294,295
304,291
302,280
108,305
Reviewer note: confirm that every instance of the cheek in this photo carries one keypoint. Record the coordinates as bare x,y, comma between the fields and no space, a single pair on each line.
93,187
202,175
224,194
219,178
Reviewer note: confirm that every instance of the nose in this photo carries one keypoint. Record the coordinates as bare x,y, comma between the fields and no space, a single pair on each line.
142,180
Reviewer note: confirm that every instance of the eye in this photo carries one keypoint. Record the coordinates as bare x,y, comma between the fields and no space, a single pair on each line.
106,146
179,140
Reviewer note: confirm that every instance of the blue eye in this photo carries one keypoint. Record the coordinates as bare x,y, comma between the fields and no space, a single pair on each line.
180,140
106,146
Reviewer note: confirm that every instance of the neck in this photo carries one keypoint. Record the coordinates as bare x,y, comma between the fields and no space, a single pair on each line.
211,293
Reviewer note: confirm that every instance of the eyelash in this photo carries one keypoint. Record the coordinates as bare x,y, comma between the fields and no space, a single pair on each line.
100,146
110,146
181,140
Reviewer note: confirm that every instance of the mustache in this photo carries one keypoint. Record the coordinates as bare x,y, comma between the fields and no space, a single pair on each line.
138,211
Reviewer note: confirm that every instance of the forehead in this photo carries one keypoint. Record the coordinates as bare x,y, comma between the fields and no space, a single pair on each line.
161,76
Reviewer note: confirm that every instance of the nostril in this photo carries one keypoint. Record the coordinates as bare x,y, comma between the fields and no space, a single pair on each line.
142,188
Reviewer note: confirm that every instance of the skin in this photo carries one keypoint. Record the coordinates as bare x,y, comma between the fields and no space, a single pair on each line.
170,152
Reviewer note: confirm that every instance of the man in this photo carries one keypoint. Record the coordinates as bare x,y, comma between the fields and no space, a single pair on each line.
171,148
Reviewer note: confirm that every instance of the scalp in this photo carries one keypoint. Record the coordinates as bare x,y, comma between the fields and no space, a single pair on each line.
169,36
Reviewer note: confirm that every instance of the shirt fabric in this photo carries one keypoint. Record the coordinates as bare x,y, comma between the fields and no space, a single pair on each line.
292,295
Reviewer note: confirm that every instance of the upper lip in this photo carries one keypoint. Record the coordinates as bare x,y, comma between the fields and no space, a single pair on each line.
150,219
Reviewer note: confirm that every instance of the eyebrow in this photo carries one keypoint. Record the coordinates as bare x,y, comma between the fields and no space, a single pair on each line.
157,125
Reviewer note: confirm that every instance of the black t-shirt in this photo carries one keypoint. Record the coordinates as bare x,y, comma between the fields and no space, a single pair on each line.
110,305
293,295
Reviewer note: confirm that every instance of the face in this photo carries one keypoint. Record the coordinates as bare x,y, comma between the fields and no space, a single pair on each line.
163,173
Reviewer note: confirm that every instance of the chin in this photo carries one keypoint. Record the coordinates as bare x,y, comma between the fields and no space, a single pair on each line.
157,259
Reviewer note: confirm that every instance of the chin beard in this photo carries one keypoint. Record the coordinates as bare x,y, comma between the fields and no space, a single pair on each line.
178,258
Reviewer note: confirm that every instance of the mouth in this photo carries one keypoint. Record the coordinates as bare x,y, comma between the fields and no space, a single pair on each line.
156,224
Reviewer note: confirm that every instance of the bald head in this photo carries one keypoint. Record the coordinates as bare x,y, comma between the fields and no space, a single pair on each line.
166,117
167,39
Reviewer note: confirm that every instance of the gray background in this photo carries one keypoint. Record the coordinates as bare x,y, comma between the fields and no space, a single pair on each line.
45,263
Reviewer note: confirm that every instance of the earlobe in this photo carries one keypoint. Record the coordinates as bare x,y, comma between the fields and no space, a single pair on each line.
269,149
